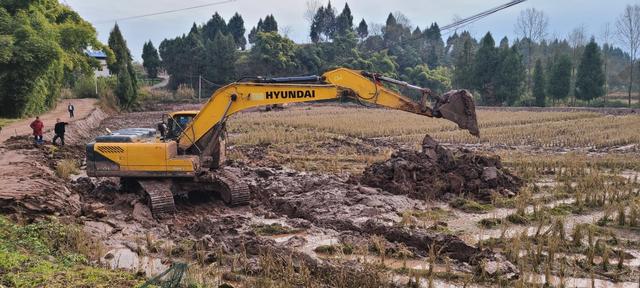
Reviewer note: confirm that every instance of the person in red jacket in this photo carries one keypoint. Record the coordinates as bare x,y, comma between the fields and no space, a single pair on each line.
38,128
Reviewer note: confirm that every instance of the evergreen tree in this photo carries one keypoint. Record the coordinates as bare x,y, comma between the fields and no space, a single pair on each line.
150,59
504,43
391,32
118,45
194,29
344,21
125,89
213,26
317,27
391,20
560,78
269,24
590,77
486,66
435,46
253,34
127,86
221,55
539,91
464,66
324,24
455,46
510,77
363,30
329,21
416,33
236,28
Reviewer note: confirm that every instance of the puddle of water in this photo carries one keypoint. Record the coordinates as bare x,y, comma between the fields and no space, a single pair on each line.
390,263
285,237
124,258
315,240
630,175
635,262
403,280
579,282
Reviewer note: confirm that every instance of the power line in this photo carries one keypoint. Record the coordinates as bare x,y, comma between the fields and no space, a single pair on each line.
480,15
166,12
456,24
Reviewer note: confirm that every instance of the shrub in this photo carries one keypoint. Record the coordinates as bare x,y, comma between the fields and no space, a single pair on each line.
184,92
85,87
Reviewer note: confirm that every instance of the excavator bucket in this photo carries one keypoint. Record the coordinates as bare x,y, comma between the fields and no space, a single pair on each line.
457,106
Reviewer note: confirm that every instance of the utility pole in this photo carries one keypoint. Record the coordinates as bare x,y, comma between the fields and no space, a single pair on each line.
95,77
199,87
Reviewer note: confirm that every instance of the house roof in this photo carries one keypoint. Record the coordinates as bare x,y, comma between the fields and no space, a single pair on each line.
96,54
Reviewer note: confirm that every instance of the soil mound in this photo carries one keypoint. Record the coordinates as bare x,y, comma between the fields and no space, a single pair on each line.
439,172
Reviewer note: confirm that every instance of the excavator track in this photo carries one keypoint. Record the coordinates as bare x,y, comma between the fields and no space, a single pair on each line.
233,191
159,196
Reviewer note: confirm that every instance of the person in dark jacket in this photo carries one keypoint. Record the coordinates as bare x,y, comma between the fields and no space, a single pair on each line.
38,128
70,108
59,129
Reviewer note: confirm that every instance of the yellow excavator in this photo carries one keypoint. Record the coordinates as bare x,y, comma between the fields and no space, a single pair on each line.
189,153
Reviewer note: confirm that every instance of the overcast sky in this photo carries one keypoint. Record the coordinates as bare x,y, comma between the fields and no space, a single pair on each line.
564,15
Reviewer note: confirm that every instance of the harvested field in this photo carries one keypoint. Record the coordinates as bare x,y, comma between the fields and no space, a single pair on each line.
341,198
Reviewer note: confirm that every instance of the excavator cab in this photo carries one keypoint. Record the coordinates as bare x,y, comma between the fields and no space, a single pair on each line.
177,122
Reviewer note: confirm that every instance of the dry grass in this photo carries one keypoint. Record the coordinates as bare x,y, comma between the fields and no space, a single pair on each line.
371,123
66,168
598,132
347,138
4,121
546,129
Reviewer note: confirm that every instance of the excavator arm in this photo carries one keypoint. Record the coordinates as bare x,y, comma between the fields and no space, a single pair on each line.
362,86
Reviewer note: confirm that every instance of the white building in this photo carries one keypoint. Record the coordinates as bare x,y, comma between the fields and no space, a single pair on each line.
103,71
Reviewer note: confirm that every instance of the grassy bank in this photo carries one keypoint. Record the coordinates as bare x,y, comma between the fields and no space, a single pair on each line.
4,121
52,254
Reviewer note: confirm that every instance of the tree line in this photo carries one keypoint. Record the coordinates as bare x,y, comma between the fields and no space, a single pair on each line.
530,70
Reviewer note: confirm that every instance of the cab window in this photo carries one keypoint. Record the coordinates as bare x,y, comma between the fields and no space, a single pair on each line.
177,123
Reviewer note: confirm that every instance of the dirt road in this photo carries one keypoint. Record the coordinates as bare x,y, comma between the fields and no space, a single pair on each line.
82,108
163,83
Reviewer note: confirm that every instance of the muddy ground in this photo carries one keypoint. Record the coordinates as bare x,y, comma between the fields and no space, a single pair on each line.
301,228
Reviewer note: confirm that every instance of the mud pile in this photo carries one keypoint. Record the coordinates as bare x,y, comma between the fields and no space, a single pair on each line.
439,172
